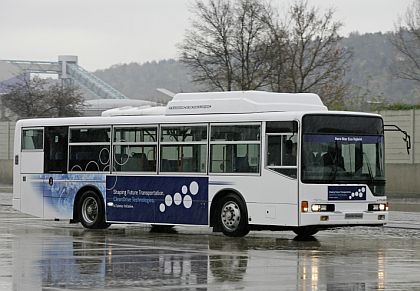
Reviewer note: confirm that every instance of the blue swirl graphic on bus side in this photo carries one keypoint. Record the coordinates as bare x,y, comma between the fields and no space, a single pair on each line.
59,197
150,199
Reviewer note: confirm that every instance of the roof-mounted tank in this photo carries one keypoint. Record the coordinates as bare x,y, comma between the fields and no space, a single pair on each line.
242,102
228,102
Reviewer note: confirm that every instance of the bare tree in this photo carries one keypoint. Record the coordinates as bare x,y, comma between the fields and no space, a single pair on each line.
251,65
66,100
406,40
245,45
225,48
37,97
27,97
279,80
311,55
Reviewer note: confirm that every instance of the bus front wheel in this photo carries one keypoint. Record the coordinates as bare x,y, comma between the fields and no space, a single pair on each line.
91,211
231,216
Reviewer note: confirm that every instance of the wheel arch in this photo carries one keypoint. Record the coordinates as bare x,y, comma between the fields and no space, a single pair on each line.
77,199
217,198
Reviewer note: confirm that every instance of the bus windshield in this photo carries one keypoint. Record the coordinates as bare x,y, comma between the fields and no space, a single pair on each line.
343,149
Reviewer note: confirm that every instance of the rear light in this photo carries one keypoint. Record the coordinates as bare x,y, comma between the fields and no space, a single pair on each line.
304,206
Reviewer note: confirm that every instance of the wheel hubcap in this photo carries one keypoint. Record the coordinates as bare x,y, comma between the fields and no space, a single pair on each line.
90,210
231,215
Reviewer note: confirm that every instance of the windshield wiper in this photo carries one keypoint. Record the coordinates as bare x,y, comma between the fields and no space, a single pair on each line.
334,164
334,172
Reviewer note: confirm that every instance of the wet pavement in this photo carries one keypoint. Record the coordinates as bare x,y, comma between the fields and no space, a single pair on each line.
54,255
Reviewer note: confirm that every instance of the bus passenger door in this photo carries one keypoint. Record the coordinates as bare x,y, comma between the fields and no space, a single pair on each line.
55,169
281,161
31,171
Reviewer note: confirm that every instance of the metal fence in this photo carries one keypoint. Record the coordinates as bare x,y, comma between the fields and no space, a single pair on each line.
395,147
7,133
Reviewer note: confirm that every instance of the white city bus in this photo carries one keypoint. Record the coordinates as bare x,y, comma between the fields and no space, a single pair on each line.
235,161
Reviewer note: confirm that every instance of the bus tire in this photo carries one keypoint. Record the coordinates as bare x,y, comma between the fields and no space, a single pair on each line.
305,231
91,211
231,216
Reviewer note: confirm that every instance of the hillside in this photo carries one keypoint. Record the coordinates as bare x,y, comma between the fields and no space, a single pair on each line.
371,70
369,74
139,81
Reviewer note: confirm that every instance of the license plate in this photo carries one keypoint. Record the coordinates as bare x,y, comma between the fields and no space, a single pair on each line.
353,215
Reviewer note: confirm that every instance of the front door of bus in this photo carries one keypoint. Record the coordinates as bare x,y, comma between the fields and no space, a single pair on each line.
281,157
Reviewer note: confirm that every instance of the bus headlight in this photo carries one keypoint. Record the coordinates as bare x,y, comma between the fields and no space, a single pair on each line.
318,207
322,207
378,207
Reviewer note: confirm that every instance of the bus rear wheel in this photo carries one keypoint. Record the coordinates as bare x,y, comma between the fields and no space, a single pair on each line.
91,211
305,231
231,216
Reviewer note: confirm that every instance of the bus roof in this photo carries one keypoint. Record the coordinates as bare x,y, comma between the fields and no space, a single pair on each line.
227,103
177,119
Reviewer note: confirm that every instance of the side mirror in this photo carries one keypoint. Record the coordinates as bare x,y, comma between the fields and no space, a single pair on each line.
406,138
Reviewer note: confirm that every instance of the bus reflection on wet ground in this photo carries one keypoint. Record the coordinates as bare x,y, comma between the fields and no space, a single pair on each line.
61,256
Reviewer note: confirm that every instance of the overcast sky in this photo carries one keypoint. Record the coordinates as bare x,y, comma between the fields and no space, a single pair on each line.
107,32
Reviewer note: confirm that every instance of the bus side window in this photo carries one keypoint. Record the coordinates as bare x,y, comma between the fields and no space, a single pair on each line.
32,139
135,149
289,154
282,147
281,151
274,151
235,148
89,149
183,148
56,148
